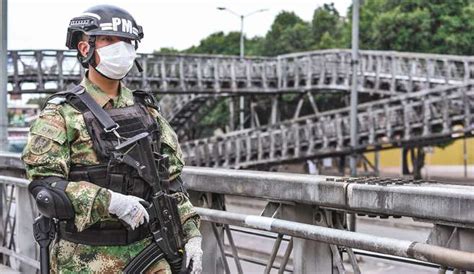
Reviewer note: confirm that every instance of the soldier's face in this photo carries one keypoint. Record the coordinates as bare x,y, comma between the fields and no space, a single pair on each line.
100,41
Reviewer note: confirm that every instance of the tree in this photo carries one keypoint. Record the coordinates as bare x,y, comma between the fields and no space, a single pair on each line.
218,43
457,32
294,39
167,50
217,117
228,44
327,27
418,25
288,33
396,30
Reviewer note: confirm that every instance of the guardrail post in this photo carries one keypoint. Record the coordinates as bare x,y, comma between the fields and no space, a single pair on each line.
212,259
26,244
308,256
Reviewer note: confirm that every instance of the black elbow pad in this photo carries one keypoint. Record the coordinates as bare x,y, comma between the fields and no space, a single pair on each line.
51,198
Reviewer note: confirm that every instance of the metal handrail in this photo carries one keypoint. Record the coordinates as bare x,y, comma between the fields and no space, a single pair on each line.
425,252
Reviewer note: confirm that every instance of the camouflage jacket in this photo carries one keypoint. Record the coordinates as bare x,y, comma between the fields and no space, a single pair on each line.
59,139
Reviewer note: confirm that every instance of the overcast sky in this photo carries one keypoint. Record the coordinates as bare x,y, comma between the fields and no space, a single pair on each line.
42,24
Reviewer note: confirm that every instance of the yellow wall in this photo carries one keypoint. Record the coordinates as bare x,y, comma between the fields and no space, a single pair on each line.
450,155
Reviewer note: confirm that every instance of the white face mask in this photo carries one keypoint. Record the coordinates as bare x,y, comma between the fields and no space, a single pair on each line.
116,60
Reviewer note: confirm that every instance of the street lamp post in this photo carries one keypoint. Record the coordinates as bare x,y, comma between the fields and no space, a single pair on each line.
354,98
242,54
3,77
242,17
242,49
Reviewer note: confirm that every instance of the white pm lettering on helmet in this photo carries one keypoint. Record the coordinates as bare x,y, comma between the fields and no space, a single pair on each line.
126,24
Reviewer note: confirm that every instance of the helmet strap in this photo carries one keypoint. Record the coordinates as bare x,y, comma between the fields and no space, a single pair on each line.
85,61
137,64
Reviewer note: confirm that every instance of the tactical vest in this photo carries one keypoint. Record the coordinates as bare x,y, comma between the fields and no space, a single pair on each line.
116,176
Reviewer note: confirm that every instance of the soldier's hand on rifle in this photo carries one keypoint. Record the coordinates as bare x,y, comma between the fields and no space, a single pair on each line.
128,209
194,253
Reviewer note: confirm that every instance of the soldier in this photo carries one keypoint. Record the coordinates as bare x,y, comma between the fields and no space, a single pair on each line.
82,162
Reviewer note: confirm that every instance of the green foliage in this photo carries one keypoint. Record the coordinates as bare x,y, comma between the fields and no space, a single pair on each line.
167,50
418,25
254,46
327,28
405,25
457,32
40,101
218,43
296,38
228,44
325,20
288,33
217,117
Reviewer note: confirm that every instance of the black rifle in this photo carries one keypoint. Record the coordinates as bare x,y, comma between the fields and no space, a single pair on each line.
44,230
165,225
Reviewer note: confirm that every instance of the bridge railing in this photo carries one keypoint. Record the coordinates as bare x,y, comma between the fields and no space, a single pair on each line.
305,210
49,71
17,212
379,71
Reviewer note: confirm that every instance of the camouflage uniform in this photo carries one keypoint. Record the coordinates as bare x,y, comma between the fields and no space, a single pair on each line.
59,139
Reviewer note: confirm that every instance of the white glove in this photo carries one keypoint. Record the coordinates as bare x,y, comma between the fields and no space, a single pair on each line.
194,252
128,209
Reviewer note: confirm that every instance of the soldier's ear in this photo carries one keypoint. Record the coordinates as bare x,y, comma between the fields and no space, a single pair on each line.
83,47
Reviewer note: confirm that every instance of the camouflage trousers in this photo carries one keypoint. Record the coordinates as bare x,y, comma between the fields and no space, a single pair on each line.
68,257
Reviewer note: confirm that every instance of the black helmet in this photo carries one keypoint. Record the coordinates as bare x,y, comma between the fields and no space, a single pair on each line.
102,20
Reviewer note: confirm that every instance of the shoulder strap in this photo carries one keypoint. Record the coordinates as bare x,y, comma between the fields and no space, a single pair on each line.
61,97
83,101
99,113
56,98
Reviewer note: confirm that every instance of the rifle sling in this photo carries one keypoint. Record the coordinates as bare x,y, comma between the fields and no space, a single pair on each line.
152,253
102,116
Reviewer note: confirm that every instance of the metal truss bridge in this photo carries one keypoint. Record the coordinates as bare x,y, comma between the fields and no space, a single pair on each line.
197,79
380,72
424,117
